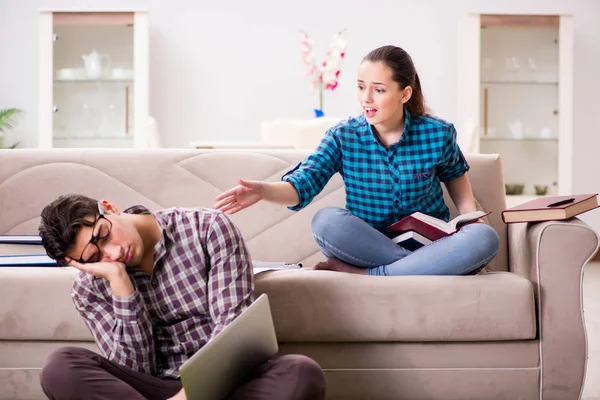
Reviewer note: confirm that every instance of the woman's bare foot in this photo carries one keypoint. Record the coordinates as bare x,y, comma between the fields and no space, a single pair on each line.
333,264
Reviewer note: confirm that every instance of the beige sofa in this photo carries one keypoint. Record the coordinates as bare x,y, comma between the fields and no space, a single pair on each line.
514,333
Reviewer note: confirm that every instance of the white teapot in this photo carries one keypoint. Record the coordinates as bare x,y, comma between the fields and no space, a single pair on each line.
95,64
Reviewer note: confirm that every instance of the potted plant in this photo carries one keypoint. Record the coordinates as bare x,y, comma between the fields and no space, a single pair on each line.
8,117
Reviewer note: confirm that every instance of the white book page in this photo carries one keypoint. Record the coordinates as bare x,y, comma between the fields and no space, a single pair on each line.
411,235
442,225
464,218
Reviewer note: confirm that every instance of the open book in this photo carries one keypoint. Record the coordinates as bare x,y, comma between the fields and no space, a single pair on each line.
429,229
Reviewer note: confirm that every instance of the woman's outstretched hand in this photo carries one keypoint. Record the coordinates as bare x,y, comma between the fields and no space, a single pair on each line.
244,195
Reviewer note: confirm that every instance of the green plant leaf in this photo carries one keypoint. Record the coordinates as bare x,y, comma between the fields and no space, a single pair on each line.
8,118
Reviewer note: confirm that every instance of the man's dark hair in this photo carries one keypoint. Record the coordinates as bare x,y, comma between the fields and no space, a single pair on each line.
61,221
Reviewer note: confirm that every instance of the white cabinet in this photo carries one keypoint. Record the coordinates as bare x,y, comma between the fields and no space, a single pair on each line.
93,78
515,85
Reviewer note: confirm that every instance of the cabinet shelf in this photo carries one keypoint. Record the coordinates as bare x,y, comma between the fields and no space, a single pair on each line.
85,80
62,137
543,83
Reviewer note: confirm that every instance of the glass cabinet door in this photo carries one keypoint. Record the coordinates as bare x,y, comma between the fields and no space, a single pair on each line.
519,99
93,79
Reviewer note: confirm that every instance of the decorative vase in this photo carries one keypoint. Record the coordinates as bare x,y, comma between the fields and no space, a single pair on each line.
319,113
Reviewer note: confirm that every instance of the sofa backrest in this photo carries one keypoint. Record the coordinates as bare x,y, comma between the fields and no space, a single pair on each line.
162,178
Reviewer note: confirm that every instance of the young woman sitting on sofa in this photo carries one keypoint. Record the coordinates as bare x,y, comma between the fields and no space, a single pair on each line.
392,158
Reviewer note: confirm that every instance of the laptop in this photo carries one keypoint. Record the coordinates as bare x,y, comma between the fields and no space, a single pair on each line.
221,365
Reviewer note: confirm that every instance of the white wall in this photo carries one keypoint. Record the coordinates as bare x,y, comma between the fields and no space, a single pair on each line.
219,68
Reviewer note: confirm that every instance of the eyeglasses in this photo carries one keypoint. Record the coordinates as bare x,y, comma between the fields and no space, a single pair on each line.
100,231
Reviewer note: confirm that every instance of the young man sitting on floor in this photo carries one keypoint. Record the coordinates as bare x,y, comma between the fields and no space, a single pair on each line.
154,287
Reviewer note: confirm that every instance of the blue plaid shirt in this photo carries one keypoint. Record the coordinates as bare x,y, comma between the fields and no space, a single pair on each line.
383,184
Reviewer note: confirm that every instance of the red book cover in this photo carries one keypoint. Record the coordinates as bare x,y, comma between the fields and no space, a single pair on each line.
544,203
551,208
410,223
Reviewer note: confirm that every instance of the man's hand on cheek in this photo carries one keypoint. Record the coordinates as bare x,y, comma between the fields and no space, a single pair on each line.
108,270
113,271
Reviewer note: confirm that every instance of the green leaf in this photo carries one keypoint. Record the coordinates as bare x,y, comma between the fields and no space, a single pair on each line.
8,118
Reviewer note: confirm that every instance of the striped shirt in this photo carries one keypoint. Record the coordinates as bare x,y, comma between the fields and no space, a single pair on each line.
202,280
383,184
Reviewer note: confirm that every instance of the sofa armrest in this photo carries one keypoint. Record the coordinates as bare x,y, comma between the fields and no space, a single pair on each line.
552,256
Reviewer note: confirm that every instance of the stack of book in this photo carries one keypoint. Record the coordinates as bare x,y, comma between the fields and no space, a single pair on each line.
23,251
417,229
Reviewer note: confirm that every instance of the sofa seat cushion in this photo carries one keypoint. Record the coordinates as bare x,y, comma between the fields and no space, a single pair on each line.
312,306
326,306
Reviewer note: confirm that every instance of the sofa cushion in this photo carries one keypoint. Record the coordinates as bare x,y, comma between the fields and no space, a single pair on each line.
36,305
326,306
312,306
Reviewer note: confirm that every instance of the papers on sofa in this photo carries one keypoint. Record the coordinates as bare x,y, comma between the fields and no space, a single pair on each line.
42,260
262,266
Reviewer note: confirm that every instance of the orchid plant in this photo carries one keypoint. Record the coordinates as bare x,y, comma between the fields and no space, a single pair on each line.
324,76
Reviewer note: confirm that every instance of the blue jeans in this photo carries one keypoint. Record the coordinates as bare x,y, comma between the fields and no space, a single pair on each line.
348,238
